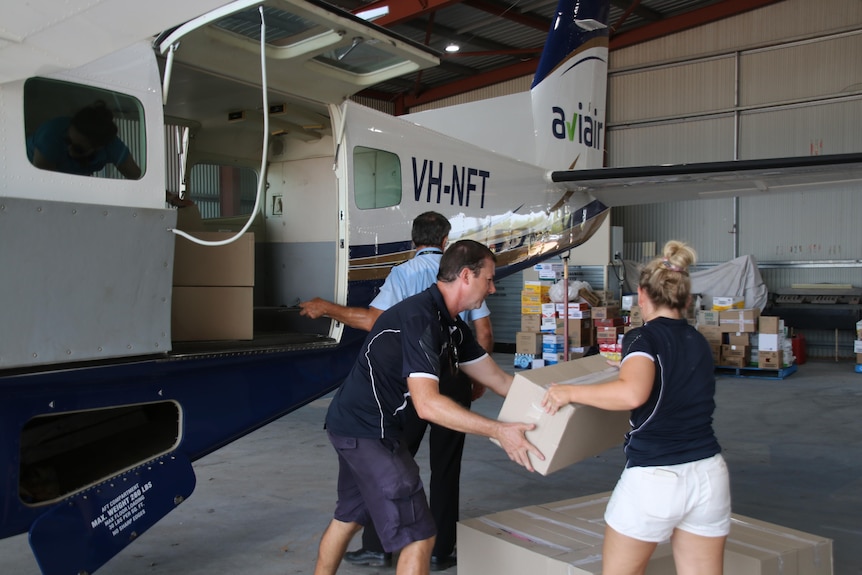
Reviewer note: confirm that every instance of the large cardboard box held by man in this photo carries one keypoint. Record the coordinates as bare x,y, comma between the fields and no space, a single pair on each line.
566,538
575,432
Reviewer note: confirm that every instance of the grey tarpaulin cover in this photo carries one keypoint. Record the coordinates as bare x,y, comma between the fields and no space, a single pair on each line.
738,277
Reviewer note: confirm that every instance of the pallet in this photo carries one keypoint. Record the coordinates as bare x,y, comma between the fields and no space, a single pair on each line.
755,372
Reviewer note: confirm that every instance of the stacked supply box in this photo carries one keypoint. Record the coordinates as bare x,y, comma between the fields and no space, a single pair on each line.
736,352
528,341
743,338
213,289
707,325
566,537
610,327
774,349
576,318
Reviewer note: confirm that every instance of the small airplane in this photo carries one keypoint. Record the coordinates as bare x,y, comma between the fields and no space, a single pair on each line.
243,108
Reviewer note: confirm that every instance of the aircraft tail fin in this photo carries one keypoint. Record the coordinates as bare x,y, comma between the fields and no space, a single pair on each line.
570,86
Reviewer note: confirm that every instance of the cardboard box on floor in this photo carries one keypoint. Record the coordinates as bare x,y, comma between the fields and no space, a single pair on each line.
575,432
565,538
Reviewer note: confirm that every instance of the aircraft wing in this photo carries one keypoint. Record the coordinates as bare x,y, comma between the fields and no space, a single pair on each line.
654,184
41,37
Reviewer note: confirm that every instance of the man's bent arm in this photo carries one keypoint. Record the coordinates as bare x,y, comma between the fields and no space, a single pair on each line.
355,317
432,406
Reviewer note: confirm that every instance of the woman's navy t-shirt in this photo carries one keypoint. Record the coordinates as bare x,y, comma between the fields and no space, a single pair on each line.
675,424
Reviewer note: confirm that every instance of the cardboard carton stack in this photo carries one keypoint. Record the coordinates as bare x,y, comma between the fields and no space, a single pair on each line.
543,323
741,337
528,341
565,538
213,289
610,326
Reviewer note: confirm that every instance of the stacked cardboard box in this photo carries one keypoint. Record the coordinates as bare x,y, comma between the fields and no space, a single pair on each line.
528,341
741,337
610,326
213,289
566,537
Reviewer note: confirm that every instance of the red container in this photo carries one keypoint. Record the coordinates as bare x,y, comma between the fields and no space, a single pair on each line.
800,351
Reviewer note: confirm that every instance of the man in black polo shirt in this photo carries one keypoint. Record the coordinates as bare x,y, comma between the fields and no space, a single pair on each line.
410,346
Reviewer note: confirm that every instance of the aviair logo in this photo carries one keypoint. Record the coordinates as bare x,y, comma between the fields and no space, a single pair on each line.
583,127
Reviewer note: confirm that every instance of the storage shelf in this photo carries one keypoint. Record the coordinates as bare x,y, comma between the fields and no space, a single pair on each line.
755,372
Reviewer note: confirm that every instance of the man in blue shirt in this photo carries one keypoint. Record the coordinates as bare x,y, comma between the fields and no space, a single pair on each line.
410,349
430,234
82,144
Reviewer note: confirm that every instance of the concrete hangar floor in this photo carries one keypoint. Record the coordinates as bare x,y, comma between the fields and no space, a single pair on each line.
794,448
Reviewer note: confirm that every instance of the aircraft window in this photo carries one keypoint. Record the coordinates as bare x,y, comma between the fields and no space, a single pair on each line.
222,191
376,178
282,28
360,58
66,452
83,130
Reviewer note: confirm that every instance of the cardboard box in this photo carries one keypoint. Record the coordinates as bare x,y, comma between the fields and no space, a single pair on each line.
528,342
531,323
738,338
549,271
538,286
228,265
531,309
573,310
770,341
857,346
533,298
707,317
728,350
723,303
589,297
770,359
566,538
605,312
575,432
580,332
552,343
735,361
738,320
212,313
712,333
768,324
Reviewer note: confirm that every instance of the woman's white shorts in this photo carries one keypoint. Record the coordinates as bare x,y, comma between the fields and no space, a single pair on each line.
648,503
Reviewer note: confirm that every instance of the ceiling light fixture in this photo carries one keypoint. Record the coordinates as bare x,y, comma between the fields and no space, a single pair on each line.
452,47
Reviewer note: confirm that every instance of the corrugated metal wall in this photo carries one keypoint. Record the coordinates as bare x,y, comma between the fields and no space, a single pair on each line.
768,83
783,80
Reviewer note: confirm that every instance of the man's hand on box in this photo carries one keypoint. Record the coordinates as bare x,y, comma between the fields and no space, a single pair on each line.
514,442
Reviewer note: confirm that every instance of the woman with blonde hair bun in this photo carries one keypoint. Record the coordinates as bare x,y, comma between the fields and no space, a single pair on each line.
675,484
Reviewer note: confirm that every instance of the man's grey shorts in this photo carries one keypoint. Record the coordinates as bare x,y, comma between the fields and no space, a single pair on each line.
378,480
